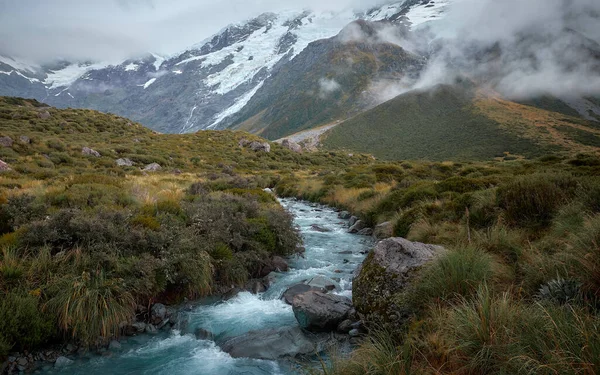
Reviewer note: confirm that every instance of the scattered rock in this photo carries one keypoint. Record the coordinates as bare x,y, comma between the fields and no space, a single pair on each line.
158,313
291,145
6,141
345,326
365,232
347,252
260,146
323,282
202,334
344,215
139,327
151,329
385,272
294,290
317,311
44,115
383,230
25,139
272,344
124,162
352,221
4,167
243,142
62,362
280,264
90,152
152,167
357,227
319,228
255,286
354,333
114,345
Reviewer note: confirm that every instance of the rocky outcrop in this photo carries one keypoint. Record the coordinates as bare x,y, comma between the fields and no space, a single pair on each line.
260,146
291,145
124,162
255,145
384,274
320,312
272,344
44,115
90,152
6,141
154,167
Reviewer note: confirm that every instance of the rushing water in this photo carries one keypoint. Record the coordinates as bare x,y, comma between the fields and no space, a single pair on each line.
334,254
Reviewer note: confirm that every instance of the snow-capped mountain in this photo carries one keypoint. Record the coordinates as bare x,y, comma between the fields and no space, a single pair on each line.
204,85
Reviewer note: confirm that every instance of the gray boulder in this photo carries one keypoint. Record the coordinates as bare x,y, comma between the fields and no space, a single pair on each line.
152,167
318,312
203,334
260,146
385,273
158,313
294,290
90,152
44,115
383,230
344,215
6,141
357,226
124,162
4,167
272,344
365,232
291,145
62,362
25,139
114,345
352,221
280,264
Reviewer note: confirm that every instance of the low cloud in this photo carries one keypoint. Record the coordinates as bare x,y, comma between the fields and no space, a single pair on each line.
328,86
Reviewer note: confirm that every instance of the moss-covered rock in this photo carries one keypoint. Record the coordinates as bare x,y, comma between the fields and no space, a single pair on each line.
384,274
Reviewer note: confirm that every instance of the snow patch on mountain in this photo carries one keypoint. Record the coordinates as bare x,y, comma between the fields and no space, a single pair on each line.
132,67
68,75
423,13
20,64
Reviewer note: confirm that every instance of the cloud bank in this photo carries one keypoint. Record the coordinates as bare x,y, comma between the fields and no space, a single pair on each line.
113,30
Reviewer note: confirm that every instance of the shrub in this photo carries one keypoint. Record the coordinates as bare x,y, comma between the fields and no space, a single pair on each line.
91,306
533,200
22,325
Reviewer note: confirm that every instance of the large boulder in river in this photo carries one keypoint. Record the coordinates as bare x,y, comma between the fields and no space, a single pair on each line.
384,274
320,312
275,343
357,226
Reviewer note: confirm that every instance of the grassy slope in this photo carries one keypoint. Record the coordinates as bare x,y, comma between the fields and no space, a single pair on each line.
454,123
81,228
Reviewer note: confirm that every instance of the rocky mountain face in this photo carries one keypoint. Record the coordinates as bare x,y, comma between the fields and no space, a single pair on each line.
196,89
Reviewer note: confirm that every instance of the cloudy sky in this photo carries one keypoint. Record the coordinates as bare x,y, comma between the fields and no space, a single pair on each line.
43,30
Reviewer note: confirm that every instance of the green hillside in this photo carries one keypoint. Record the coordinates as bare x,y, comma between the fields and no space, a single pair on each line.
455,122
